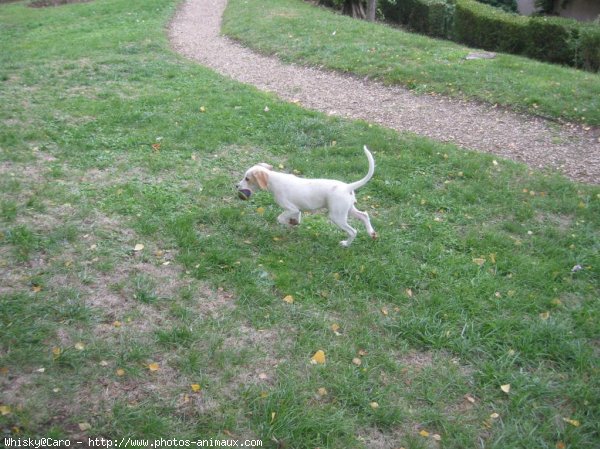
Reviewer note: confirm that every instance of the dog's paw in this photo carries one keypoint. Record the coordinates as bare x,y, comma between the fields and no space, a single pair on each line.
344,244
374,235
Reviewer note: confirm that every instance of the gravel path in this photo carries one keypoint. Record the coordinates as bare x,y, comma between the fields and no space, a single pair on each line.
574,151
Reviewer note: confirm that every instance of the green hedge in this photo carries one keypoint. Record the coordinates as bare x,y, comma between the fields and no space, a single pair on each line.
588,50
550,39
431,17
483,26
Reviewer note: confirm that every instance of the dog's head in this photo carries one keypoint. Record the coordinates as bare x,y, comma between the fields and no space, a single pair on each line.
254,179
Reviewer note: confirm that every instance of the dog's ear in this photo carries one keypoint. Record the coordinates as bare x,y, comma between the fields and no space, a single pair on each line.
265,165
262,178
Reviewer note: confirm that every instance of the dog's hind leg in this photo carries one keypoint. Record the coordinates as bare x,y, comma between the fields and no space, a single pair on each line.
364,217
342,222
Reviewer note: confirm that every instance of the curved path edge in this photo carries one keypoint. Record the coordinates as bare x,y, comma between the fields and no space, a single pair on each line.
573,150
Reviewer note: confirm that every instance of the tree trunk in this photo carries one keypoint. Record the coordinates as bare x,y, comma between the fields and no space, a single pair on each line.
354,8
371,10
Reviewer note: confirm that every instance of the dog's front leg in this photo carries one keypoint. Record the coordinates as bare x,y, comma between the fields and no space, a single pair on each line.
290,217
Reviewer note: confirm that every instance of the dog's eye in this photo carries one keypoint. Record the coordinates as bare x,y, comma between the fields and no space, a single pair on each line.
247,179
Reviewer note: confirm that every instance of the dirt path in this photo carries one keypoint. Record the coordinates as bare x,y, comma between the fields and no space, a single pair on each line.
195,33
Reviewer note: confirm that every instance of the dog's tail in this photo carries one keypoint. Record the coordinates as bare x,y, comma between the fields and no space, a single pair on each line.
362,182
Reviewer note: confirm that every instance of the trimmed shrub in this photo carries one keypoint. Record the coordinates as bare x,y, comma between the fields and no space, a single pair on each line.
483,26
553,39
506,5
431,17
588,50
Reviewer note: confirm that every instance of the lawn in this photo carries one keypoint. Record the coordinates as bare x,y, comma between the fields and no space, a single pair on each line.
295,30
140,298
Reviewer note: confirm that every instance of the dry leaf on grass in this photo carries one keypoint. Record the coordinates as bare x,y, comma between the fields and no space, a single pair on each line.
318,357
479,261
153,366
573,422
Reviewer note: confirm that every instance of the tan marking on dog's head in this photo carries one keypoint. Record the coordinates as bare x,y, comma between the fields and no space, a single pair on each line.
261,177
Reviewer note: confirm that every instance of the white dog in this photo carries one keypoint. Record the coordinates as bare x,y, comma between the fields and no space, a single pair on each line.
297,194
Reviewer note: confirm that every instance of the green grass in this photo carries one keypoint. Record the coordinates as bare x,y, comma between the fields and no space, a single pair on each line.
104,146
297,31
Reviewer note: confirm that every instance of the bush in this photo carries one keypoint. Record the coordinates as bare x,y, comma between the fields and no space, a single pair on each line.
484,26
552,39
506,5
588,50
431,17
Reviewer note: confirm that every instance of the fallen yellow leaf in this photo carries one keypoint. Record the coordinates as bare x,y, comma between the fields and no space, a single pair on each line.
153,366
56,351
138,247
260,210
117,324
4,410
322,392
318,357
79,346
36,288
385,311
573,422
195,388
273,414
560,445
289,299
470,398
545,315
374,405
335,327
505,388
357,361
424,433
120,372
479,261
84,426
